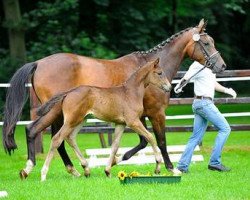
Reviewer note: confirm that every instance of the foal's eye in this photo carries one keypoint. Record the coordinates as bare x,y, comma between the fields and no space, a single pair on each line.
159,73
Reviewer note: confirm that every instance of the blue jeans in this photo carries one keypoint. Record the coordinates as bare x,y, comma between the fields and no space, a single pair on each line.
204,111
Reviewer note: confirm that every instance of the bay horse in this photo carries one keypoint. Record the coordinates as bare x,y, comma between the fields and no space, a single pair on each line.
63,71
122,105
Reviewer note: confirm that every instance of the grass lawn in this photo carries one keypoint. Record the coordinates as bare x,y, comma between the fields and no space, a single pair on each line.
200,183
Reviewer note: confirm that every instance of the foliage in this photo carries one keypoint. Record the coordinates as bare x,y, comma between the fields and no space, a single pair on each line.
112,28
56,30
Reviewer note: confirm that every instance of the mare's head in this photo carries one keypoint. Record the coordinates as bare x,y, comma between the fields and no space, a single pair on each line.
157,77
202,49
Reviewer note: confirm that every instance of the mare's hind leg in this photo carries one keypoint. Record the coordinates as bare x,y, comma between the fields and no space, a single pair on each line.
31,132
143,143
55,127
72,142
115,145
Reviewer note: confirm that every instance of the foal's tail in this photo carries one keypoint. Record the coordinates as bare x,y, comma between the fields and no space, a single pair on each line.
45,108
15,100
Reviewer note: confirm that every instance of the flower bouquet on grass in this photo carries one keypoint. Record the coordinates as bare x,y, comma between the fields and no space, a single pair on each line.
135,177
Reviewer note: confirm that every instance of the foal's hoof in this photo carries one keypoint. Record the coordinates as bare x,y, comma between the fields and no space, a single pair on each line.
23,175
87,172
107,173
71,170
157,171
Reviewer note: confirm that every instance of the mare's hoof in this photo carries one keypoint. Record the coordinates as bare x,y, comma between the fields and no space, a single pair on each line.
176,172
23,175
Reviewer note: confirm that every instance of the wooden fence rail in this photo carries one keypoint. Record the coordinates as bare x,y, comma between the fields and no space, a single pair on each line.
227,75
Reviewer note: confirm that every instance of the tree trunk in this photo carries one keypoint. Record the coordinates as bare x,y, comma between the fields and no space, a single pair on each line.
15,30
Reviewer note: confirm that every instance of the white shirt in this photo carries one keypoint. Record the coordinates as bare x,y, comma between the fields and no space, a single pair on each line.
204,81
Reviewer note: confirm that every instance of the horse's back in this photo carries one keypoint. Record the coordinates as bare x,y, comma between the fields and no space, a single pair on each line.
63,71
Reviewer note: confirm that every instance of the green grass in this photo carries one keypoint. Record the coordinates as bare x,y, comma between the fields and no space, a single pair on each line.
200,183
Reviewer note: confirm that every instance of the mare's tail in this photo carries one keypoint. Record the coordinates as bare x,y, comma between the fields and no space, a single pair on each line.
17,95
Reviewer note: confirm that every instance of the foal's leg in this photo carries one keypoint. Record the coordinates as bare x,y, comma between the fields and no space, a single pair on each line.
140,129
55,127
143,143
72,142
56,141
119,128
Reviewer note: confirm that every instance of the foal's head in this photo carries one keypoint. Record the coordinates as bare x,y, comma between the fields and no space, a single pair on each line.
157,77
202,49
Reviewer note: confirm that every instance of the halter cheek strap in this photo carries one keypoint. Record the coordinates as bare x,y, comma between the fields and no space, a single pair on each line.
208,58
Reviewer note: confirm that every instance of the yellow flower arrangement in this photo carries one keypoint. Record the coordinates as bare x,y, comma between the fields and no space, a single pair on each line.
122,175
134,174
135,177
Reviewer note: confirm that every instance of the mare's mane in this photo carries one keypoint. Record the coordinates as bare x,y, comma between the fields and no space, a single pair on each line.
163,43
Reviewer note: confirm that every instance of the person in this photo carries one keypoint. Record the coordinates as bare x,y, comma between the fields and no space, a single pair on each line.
205,111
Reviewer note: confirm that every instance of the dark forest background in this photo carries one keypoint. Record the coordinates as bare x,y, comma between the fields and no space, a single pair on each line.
30,30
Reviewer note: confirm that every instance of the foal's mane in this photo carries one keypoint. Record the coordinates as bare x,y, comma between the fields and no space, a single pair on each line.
163,43
145,68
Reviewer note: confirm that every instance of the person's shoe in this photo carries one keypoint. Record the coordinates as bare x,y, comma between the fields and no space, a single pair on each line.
220,168
182,170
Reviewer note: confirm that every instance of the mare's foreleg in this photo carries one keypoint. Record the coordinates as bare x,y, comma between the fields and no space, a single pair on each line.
158,124
140,129
143,143
55,127
72,142
119,129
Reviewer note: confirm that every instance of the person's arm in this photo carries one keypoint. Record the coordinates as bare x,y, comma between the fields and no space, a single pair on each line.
219,88
186,78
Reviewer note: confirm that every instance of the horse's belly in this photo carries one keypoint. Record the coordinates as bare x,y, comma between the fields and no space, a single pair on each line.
108,116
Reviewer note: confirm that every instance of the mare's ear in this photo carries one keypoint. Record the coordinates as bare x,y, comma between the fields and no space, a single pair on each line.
202,26
156,62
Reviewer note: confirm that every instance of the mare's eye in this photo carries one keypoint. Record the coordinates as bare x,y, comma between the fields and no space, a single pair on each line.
206,43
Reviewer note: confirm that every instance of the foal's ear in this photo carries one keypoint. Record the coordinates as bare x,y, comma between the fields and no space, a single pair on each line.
156,62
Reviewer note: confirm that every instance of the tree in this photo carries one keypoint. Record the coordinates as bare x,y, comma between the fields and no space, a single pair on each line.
13,22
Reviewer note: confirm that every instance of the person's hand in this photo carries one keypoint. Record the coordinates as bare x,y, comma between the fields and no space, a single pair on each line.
180,85
231,92
178,88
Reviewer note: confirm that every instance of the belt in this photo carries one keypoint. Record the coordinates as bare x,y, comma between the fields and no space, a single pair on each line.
202,97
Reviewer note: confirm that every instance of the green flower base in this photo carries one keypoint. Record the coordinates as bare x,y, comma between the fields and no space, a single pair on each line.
151,179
